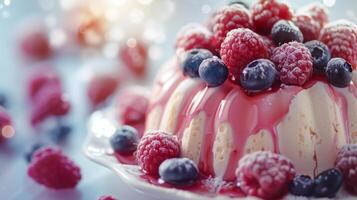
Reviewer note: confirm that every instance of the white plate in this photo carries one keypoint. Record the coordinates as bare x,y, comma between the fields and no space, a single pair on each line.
96,147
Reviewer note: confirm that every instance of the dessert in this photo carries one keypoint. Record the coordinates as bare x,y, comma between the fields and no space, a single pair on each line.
262,113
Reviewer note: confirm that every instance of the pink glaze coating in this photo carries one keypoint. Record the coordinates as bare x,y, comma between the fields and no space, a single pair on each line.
229,103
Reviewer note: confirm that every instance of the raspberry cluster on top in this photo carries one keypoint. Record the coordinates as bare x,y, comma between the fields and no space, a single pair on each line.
268,43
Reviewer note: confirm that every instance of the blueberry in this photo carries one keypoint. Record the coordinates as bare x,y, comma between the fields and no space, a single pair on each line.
285,31
192,59
213,71
124,140
245,4
178,171
327,183
31,150
258,75
60,133
339,72
320,54
3,100
302,186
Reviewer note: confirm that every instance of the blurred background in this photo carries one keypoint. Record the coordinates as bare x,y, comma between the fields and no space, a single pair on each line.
125,41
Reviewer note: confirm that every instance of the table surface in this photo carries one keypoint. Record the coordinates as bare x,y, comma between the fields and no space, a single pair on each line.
96,180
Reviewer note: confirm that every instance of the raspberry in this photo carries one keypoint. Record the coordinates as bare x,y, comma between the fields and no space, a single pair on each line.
135,57
107,198
227,19
51,168
346,162
40,79
35,44
153,149
49,102
265,13
294,63
317,11
101,87
309,27
193,36
265,174
269,43
133,105
240,47
341,39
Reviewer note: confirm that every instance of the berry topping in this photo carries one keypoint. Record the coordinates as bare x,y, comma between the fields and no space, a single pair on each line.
317,11
341,39
60,133
193,36
339,72
309,27
227,19
265,174
191,60
107,198
213,71
153,149
269,43
101,87
302,186
294,63
320,54
133,104
241,47
124,140
179,171
346,162
265,13
245,4
135,57
29,152
285,31
327,183
258,75
50,167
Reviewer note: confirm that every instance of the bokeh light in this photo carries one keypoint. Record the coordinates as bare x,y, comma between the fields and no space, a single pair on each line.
8,131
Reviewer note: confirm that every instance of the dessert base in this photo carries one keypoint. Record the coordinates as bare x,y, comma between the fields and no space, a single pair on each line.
101,126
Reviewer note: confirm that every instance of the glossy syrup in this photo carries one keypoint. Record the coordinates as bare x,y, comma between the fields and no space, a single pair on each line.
246,113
